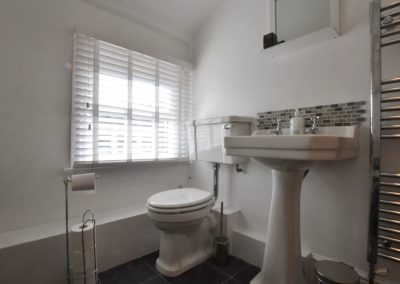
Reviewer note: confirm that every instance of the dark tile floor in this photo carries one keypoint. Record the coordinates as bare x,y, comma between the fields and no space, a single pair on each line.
143,271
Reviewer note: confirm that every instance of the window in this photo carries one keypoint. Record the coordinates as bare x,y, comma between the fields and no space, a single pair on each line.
127,107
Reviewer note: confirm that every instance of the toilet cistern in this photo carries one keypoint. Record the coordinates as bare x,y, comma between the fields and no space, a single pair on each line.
289,157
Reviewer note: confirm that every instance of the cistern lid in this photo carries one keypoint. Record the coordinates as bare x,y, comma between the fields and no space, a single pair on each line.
182,197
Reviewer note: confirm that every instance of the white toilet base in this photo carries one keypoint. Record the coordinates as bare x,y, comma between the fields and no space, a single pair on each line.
182,249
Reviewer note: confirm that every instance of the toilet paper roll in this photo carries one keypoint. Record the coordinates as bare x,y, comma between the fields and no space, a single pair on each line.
77,261
76,237
83,182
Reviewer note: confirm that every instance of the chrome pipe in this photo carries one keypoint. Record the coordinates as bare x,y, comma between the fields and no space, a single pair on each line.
375,134
67,181
216,167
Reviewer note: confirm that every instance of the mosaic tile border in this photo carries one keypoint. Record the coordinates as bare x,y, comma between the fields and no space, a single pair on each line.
342,114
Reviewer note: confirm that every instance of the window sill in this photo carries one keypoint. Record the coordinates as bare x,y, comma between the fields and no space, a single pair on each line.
84,167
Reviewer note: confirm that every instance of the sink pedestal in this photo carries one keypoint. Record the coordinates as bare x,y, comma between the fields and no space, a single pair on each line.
282,257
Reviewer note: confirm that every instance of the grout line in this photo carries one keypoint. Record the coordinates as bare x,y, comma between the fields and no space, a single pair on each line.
156,271
148,279
237,272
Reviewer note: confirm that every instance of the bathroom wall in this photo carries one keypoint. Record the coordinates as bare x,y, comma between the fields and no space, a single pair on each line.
35,87
234,76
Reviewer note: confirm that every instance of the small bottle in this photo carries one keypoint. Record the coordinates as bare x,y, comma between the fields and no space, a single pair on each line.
297,124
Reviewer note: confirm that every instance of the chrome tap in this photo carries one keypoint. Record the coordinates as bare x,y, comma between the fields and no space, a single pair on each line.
278,129
314,126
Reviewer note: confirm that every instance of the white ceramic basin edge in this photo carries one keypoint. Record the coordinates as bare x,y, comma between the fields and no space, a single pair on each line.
331,143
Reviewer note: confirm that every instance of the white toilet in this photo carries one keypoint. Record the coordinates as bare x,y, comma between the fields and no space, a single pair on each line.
183,215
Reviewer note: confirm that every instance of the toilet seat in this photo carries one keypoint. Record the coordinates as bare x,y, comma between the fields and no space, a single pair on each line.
178,199
180,205
181,209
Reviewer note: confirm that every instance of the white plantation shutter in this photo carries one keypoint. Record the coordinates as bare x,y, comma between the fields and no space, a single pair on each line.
127,107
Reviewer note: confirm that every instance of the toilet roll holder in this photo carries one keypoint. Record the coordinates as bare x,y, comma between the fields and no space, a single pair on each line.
80,277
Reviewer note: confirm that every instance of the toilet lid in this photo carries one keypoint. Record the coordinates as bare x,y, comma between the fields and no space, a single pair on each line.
176,198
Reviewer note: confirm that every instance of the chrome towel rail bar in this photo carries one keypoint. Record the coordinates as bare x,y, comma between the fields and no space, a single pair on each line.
390,33
390,6
390,127
390,175
384,222
388,202
389,248
389,257
389,230
390,136
392,14
390,100
387,211
391,24
391,117
390,81
391,90
386,238
390,221
390,193
392,184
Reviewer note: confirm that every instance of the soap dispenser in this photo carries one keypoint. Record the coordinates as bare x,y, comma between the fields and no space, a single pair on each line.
297,123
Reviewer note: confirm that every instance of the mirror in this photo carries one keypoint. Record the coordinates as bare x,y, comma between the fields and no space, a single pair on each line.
295,25
301,17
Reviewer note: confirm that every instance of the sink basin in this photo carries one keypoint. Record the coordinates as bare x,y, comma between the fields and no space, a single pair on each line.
331,143
289,156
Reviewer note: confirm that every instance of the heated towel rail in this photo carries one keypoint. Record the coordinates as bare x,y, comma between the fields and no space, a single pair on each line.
384,227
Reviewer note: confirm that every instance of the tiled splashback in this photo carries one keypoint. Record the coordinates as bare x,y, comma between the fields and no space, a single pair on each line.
344,114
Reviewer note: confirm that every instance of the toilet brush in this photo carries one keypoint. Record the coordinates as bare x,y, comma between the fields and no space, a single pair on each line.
221,244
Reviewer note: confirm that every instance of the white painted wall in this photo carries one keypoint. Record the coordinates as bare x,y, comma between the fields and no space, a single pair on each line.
233,76
35,97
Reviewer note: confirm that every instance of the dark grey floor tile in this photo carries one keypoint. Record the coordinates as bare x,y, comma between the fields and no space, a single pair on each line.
155,280
204,273
151,259
234,265
231,281
133,272
245,275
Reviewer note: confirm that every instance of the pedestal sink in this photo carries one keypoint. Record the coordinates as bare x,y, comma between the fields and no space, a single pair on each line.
289,156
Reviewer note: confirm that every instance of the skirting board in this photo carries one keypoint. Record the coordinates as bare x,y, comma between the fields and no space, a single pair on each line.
249,246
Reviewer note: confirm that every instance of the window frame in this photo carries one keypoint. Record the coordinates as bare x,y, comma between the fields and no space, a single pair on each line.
128,162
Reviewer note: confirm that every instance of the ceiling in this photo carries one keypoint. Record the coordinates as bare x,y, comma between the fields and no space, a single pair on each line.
178,19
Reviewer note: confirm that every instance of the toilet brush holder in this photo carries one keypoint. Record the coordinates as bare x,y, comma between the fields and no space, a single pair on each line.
221,249
221,244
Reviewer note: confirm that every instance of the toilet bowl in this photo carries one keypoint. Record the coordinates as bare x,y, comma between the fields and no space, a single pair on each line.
184,219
